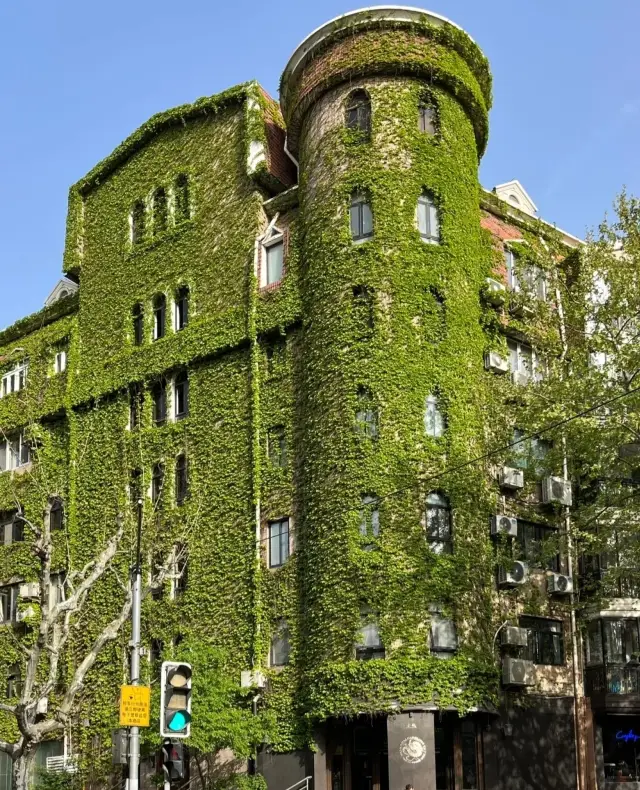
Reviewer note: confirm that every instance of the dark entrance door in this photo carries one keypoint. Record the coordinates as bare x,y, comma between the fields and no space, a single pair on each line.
369,755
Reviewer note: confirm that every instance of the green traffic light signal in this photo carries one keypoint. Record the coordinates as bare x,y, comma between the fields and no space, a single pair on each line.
175,703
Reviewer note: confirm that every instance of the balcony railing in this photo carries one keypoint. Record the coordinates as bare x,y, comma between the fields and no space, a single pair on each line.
612,679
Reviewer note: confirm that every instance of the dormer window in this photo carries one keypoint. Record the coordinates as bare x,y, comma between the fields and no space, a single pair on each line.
272,268
15,379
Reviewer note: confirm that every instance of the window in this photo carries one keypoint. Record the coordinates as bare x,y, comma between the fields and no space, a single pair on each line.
275,356
363,306
546,641
136,399
274,261
135,486
8,603
360,217
280,649
14,681
11,528
358,113
469,755
182,479
181,395
525,277
60,362
159,316
182,198
621,640
367,414
522,362
538,545
15,452
444,637
137,222
159,395
277,446
438,518
433,419
155,656
15,379
427,219
369,517
368,644
56,514
138,324
157,483
529,454
278,543
427,118
181,571
159,211
181,317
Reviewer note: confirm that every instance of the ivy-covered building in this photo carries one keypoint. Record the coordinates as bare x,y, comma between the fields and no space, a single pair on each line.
296,331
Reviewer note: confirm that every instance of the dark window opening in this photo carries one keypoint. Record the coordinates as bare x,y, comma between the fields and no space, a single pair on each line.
182,479
538,545
277,446
138,223
275,356
439,528
358,113
14,682
181,394
138,324
546,640
182,198
360,217
157,483
278,543
136,400
182,307
182,575
159,316
56,514
159,396
159,209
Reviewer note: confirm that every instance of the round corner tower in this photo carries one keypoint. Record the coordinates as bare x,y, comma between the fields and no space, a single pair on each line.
386,109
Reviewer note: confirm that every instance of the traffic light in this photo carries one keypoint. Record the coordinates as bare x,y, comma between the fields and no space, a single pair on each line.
173,761
175,700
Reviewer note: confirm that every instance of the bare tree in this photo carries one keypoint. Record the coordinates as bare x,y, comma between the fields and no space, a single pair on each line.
62,600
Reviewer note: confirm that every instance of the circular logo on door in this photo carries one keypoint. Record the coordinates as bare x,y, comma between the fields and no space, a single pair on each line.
413,749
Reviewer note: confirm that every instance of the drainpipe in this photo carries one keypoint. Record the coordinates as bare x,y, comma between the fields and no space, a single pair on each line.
290,155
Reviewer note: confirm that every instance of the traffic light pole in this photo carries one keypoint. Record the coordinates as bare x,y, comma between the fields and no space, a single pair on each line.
134,732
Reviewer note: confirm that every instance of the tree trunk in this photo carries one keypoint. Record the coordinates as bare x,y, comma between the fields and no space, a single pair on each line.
23,767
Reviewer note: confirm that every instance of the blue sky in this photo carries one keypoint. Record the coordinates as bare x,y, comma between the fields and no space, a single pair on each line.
78,77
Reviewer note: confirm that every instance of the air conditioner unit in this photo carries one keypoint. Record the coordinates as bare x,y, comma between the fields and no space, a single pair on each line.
504,525
517,574
511,478
494,362
29,591
512,636
517,672
250,678
520,310
495,291
24,614
520,378
556,489
559,584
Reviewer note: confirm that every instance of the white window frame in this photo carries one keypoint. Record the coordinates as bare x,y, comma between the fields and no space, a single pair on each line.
13,376
272,237
534,373
12,460
13,604
434,422
357,202
539,291
432,219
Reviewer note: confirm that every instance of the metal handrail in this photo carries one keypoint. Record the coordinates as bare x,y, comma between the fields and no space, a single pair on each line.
303,782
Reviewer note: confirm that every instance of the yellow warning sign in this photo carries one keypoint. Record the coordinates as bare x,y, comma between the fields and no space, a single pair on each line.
135,702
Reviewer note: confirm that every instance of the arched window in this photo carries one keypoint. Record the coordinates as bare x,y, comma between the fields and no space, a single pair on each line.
427,219
438,518
159,316
427,118
138,324
358,113
360,217
159,209
433,419
182,307
182,198
56,514
138,222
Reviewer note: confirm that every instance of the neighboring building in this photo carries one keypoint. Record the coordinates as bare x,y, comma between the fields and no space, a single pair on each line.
272,324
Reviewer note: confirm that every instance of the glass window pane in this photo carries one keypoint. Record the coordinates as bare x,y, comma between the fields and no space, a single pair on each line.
354,215
469,757
423,217
434,224
367,219
275,259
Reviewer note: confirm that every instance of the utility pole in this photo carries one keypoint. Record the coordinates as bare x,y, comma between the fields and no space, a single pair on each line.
134,644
